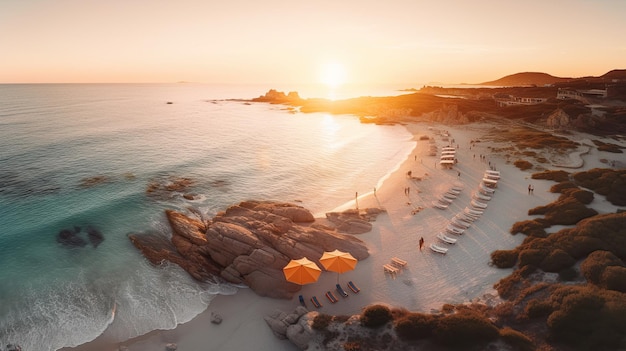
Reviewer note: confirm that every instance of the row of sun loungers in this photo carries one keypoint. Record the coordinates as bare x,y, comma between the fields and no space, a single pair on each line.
463,220
448,197
331,296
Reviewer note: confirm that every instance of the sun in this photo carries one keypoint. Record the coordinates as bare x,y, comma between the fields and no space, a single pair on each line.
332,74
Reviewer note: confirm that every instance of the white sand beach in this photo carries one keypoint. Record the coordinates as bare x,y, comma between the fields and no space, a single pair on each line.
427,281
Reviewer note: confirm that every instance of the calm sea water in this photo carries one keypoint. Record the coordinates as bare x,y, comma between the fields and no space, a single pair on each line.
53,138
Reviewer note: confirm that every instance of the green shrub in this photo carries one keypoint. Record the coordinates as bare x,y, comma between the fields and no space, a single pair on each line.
321,321
352,346
523,164
558,188
530,228
531,257
504,258
415,326
517,340
605,181
587,318
466,329
375,316
595,264
537,308
614,278
556,261
583,196
557,176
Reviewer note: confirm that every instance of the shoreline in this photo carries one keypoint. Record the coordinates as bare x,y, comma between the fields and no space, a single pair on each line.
430,279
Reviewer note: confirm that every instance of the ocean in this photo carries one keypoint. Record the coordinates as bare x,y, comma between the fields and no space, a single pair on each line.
80,160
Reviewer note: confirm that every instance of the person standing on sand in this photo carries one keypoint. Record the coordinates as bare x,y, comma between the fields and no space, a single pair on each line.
529,187
421,243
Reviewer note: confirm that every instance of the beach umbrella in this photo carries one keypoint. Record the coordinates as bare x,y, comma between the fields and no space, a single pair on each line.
338,261
302,271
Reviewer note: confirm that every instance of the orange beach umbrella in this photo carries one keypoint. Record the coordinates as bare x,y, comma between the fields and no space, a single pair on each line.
338,261
302,271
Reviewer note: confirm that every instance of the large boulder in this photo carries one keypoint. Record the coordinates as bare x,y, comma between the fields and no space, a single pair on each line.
250,243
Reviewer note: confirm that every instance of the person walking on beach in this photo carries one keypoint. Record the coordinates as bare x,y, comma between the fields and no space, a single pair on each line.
421,243
529,187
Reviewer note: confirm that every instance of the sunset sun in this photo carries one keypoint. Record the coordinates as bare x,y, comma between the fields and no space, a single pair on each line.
332,74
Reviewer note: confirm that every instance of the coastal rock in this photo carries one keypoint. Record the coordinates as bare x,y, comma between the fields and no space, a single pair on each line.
171,347
216,318
249,243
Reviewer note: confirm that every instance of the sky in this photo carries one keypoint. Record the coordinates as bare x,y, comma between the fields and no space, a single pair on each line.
307,42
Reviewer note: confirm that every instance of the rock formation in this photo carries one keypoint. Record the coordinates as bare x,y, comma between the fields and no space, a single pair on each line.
250,243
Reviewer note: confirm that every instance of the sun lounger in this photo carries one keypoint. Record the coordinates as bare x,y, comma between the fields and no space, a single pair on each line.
454,230
486,190
480,197
478,205
446,239
465,218
390,269
438,249
331,297
445,200
449,196
398,262
341,291
315,302
440,205
453,191
353,287
301,298
473,212
459,223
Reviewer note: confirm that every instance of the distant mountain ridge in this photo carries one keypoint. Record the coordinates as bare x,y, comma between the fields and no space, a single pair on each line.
541,79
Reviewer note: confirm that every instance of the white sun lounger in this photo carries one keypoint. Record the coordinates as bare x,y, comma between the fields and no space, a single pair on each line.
479,205
453,191
460,224
481,197
440,205
446,239
454,230
473,212
445,200
438,249
486,190
462,216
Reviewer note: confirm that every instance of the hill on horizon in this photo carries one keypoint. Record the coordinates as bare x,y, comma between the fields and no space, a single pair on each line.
542,79
526,79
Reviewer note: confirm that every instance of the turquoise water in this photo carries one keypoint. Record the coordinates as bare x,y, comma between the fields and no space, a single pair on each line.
54,138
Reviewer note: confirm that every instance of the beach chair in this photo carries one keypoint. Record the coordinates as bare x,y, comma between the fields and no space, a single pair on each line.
478,205
390,269
438,249
355,289
446,239
341,291
398,262
331,297
301,298
454,230
315,302
439,205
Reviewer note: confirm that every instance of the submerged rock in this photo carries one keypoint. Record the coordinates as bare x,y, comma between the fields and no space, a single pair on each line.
249,243
70,238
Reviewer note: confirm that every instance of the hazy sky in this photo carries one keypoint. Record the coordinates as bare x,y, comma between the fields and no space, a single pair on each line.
271,41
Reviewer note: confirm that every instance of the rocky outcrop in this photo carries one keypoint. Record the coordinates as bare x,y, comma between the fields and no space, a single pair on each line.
291,326
559,119
249,243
